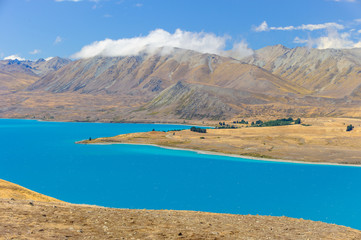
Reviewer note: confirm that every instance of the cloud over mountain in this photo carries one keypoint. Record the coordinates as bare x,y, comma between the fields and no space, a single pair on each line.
159,38
14,57
333,39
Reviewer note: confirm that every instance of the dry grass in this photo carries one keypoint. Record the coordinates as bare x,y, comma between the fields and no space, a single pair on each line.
20,219
11,190
326,140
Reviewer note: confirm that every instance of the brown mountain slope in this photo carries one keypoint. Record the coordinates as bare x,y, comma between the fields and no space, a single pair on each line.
197,101
14,81
310,83
17,75
328,72
182,84
148,75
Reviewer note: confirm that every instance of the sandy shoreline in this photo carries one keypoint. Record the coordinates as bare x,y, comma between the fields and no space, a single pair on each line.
232,155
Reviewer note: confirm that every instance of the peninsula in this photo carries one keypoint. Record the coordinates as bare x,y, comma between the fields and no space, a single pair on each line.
321,140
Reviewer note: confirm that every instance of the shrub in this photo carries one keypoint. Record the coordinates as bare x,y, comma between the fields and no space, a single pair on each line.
199,130
349,128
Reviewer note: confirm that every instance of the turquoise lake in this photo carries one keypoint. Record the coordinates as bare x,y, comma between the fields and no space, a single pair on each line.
43,157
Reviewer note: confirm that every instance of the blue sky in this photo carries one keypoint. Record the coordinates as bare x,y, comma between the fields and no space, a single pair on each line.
33,29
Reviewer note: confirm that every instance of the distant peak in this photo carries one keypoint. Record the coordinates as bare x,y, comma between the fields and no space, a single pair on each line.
40,60
280,46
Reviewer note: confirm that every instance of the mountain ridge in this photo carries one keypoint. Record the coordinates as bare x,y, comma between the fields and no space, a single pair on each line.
327,73
184,84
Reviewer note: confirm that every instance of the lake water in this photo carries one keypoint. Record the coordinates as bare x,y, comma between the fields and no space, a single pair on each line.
42,156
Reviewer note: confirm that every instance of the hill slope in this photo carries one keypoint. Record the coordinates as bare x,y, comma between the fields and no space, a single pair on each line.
11,190
54,220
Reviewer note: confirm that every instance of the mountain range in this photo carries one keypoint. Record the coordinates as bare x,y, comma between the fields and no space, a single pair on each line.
185,85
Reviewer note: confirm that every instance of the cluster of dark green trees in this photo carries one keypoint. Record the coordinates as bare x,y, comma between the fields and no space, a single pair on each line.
226,126
173,130
278,122
349,128
197,129
241,122
260,123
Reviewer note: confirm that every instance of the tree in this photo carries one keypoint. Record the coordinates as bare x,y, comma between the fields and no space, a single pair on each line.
199,130
349,128
298,121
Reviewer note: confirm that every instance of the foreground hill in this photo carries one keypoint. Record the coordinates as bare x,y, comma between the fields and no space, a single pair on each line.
24,219
11,190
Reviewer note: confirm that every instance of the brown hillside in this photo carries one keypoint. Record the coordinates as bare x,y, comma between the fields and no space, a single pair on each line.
14,191
28,219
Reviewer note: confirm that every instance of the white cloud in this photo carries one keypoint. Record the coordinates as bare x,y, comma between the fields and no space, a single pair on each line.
58,39
359,31
35,51
333,39
201,42
13,57
262,27
107,16
139,5
300,40
309,27
239,51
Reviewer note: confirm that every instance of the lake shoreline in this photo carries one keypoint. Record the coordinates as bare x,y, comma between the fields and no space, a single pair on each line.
205,152
112,122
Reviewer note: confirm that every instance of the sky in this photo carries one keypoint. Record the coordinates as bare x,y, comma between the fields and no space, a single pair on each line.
33,29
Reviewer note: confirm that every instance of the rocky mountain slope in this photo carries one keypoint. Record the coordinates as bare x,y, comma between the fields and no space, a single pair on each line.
16,75
150,74
183,85
332,73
